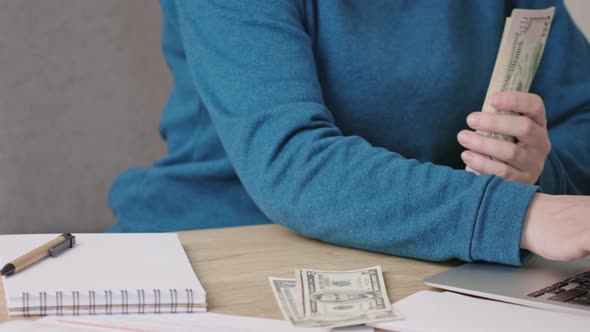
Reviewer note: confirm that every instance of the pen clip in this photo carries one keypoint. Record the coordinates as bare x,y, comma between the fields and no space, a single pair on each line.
69,242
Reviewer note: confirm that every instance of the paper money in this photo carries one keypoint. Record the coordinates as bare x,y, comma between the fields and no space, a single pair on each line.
333,299
286,296
327,293
521,48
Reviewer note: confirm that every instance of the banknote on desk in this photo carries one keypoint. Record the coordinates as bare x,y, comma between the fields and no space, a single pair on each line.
333,298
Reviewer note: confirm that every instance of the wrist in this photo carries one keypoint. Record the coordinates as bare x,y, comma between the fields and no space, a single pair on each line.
536,209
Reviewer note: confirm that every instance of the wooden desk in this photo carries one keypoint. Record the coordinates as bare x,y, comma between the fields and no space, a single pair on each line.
234,265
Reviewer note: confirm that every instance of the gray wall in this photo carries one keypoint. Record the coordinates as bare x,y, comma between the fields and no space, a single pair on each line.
82,84
580,11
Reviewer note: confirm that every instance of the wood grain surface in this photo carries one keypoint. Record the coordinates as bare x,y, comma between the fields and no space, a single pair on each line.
234,265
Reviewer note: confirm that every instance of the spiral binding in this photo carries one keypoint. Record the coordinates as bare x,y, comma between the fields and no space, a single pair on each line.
76,305
189,300
141,301
124,302
91,302
26,304
43,303
59,299
108,302
174,302
157,301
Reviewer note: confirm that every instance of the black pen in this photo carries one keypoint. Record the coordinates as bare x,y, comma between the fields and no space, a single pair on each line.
52,248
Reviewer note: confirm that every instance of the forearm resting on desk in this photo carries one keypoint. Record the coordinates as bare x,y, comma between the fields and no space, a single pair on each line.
557,227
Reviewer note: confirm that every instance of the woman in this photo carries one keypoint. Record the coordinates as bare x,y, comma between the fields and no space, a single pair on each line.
339,120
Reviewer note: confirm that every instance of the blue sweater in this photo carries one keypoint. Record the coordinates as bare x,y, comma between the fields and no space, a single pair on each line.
338,120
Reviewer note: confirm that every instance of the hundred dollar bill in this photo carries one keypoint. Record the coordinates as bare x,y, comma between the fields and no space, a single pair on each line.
521,48
285,291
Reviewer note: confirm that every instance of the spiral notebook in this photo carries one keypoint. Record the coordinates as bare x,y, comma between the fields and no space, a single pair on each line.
103,274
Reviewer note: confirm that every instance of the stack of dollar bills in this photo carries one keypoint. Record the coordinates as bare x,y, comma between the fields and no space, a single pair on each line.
521,48
333,298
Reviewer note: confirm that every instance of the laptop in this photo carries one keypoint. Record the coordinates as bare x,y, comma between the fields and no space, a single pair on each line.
540,283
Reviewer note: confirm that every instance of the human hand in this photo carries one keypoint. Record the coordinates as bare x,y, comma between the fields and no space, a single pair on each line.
522,161
557,227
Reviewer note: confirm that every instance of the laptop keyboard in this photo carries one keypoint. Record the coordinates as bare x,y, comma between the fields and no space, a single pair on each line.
577,293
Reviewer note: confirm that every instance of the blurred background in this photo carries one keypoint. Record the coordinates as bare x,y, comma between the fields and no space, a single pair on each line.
82,85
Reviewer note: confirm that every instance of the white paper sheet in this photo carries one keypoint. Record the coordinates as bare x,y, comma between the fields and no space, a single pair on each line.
30,326
427,311
184,323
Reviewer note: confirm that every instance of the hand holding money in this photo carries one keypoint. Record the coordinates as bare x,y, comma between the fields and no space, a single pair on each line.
521,161
513,142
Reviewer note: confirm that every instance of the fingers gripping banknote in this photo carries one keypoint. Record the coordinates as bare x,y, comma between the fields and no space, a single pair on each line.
521,49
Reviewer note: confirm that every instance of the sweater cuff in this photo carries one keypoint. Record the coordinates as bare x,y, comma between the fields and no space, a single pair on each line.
551,181
499,222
